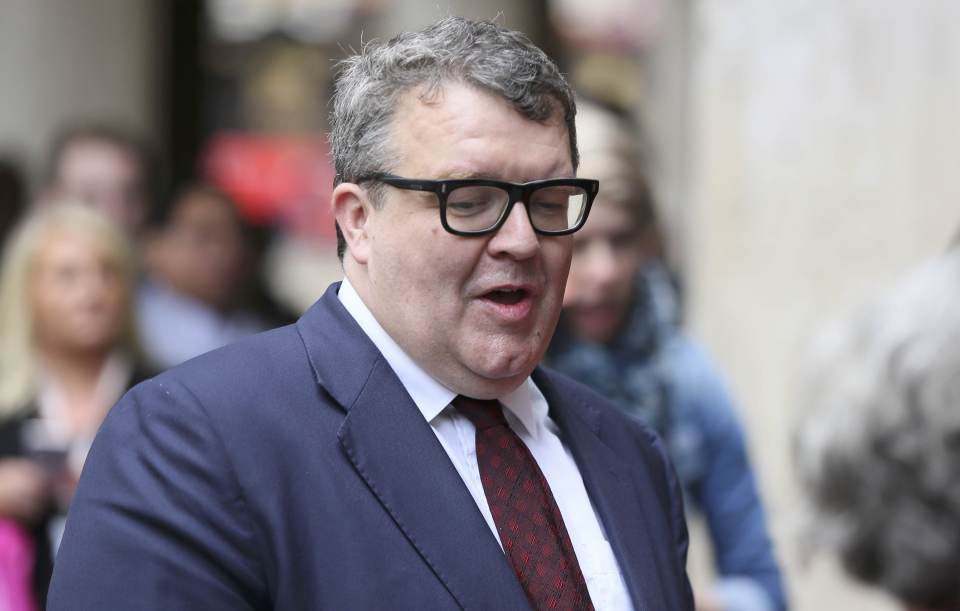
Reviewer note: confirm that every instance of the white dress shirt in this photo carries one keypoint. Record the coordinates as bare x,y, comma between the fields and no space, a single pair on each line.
527,414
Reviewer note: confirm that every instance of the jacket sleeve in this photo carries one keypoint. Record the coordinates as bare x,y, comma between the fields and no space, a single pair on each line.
158,520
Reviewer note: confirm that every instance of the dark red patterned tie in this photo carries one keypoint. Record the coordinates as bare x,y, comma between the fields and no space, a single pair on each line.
525,512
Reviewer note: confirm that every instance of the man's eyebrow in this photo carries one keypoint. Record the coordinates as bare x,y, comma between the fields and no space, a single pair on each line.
466,175
473,175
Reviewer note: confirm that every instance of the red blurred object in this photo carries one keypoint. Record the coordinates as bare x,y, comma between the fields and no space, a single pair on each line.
279,179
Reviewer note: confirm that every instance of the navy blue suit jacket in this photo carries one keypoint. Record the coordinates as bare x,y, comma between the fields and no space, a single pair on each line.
293,471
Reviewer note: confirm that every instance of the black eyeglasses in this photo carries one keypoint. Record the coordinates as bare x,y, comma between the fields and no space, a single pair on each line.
476,206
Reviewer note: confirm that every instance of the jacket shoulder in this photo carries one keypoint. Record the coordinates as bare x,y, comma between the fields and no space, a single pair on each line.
242,370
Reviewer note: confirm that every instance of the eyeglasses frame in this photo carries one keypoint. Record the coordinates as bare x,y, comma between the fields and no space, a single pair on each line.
518,192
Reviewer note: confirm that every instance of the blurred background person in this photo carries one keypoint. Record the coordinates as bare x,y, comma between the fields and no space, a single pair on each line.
877,448
619,333
105,166
66,355
199,271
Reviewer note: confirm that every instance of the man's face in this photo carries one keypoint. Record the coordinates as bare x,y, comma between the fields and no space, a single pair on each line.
476,312
607,256
105,176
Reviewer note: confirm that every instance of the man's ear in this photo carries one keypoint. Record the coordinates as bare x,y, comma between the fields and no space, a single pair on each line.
352,210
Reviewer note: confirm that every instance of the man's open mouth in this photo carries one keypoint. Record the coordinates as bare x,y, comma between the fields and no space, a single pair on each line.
507,296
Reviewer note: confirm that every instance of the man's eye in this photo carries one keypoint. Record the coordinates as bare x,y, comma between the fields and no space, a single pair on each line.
467,208
549,208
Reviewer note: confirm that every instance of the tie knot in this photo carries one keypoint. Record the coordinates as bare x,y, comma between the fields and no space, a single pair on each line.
483,413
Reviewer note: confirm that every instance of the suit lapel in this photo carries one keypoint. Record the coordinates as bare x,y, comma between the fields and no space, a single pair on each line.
395,451
615,497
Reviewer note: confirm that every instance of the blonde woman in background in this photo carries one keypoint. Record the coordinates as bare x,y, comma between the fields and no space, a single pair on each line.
66,356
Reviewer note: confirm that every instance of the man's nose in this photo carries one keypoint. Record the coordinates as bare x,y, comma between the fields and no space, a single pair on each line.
516,236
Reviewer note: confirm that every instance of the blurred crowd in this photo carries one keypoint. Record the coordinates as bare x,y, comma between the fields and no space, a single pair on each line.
104,283
109,277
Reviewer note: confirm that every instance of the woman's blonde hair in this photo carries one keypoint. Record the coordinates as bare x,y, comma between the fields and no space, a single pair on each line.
612,151
18,371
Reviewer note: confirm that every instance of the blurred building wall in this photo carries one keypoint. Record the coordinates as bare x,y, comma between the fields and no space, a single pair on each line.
823,144
62,60
665,117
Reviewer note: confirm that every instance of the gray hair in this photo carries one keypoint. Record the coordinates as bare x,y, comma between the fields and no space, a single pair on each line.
878,449
479,53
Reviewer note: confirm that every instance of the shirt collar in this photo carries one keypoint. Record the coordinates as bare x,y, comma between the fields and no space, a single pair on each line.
430,395
526,403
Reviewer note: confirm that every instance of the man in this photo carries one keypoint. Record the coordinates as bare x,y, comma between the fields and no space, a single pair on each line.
359,459
105,167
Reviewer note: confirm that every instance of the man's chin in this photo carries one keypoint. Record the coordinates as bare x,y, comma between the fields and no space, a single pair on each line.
502,373
490,388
